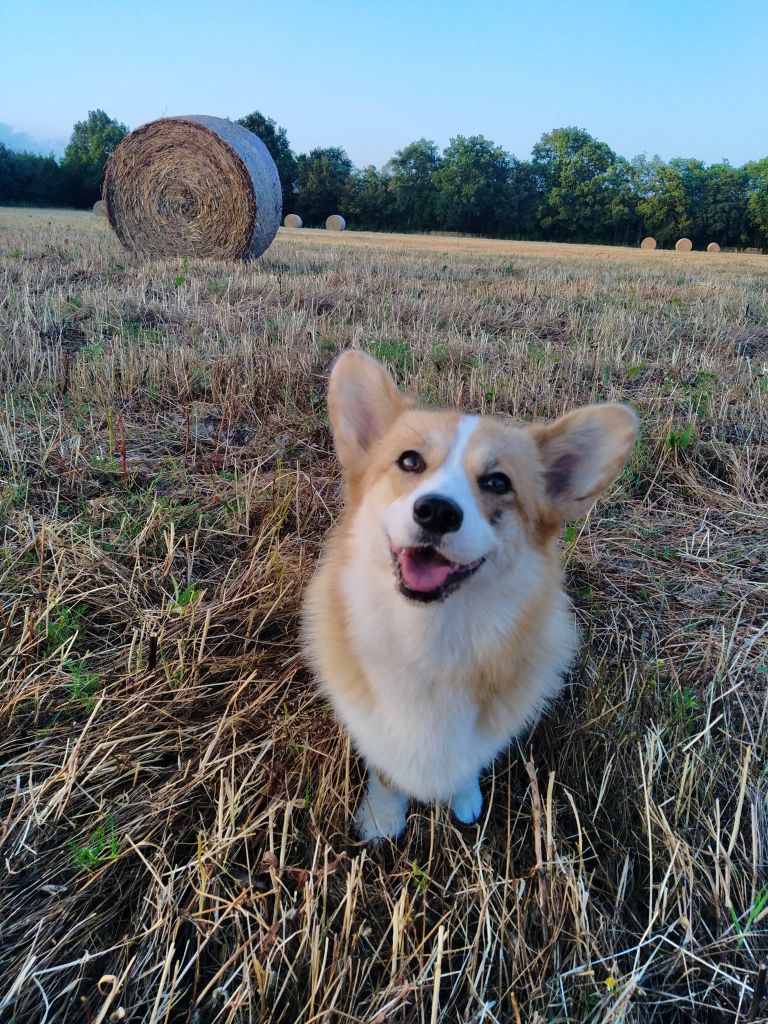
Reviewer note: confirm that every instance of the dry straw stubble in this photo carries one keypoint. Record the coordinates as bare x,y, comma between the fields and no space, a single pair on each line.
175,799
193,186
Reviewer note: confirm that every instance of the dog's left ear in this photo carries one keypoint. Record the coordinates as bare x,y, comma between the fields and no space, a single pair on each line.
363,403
583,452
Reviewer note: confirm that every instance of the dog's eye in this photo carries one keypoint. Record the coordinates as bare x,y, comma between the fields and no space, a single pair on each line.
496,483
411,462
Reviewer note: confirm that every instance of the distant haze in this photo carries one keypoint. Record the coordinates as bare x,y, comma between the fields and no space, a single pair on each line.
21,142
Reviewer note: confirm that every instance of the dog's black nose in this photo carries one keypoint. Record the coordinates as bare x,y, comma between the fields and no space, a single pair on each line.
437,514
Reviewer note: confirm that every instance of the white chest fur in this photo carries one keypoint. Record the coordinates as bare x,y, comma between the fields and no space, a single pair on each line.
422,734
423,728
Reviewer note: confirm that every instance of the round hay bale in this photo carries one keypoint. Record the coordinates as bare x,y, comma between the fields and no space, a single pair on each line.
100,208
713,247
648,243
193,186
293,220
335,223
683,245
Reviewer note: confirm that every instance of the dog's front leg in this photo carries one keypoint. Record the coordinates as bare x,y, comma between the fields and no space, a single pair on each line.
467,803
381,814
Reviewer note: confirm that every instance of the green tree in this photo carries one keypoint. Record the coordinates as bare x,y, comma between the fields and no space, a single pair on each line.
323,175
29,178
662,203
622,222
275,139
8,183
693,176
473,187
86,156
524,199
724,204
368,200
585,190
412,181
757,201
570,152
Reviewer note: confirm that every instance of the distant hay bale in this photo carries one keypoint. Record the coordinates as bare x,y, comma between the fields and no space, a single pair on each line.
293,220
683,245
100,208
713,247
193,186
648,243
335,223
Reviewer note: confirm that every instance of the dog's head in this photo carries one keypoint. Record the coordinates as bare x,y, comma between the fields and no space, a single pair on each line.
447,496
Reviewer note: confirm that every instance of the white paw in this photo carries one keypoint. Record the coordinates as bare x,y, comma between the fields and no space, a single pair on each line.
381,814
468,803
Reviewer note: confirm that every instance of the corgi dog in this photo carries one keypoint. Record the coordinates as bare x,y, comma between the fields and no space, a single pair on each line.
436,622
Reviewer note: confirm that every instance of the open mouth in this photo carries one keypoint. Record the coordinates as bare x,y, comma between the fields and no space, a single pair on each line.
426,575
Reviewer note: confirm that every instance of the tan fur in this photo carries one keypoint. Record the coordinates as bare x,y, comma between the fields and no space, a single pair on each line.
512,667
331,659
496,646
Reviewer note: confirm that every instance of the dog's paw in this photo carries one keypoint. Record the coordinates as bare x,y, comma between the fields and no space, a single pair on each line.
468,803
381,816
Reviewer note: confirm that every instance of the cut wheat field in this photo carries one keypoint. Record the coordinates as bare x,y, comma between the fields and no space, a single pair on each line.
175,799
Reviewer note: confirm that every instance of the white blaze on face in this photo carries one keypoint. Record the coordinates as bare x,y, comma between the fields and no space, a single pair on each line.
475,537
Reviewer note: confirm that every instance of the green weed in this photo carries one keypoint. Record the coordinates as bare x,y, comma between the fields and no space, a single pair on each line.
419,876
396,353
680,440
62,625
758,906
701,390
82,685
685,705
102,847
185,598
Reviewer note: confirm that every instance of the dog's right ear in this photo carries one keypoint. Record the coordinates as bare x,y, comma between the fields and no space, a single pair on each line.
363,403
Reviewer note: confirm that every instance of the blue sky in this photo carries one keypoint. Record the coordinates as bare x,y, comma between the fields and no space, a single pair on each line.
673,77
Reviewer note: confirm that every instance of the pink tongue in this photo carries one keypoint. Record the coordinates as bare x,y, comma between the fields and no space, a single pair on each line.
423,574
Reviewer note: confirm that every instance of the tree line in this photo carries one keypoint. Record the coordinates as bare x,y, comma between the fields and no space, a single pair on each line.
573,188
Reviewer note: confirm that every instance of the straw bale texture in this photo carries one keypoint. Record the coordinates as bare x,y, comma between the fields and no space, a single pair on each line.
335,223
293,220
683,245
100,208
648,243
713,247
193,186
